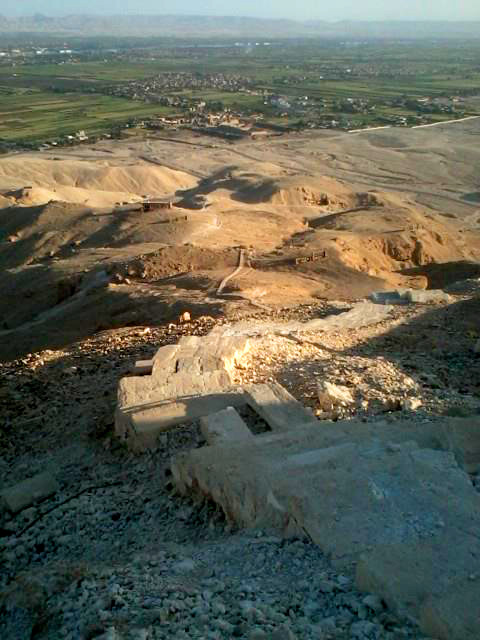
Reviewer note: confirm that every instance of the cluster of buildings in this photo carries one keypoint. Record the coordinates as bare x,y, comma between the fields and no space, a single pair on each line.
349,112
31,54
155,89
228,124
79,136
428,105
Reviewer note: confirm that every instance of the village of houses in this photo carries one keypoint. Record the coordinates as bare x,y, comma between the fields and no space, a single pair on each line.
197,102
233,123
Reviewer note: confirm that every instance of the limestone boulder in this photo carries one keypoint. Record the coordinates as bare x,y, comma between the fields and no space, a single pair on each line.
332,396
429,296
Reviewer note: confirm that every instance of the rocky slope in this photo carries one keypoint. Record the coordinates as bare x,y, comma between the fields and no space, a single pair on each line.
115,554
87,290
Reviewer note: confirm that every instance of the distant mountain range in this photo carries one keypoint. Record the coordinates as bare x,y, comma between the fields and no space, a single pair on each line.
238,27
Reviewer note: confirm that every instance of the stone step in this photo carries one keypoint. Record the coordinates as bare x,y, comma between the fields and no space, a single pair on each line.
461,436
236,477
224,427
367,488
455,615
369,494
280,410
352,498
142,368
139,427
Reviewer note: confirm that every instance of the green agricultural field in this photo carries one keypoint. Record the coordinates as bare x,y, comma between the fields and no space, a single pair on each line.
37,116
105,73
48,100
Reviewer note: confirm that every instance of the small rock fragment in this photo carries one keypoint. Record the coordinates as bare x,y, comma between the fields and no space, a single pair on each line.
331,396
185,566
411,404
373,602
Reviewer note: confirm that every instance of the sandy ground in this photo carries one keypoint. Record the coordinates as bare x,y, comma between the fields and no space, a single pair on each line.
327,215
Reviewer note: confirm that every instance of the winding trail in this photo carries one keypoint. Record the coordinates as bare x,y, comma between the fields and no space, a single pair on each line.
241,264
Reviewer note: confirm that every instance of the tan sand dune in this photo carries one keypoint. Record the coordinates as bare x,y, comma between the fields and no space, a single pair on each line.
257,186
321,190
86,181
74,195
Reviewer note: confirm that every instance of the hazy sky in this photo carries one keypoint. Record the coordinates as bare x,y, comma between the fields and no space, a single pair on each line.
298,9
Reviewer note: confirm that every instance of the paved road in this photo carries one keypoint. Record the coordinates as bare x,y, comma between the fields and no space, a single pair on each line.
388,126
436,124
418,126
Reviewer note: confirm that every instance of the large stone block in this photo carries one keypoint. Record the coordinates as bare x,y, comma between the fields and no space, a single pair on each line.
462,438
429,296
389,497
234,477
435,581
188,380
225,464
164,361
396,296
348,496
26,493
456,615
351,498
405,296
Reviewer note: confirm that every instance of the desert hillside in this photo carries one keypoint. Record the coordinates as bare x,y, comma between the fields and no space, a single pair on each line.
239,388
290,221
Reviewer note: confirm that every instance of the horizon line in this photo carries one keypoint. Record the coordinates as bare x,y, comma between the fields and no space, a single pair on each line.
249,17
